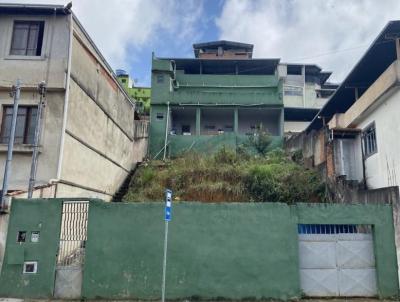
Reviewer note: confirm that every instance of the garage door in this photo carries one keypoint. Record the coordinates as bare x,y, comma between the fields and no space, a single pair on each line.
337,260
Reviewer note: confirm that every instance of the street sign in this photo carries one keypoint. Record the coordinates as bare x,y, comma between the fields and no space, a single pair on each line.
168,204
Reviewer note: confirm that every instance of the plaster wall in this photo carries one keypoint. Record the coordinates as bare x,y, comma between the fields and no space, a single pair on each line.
49,141
99,129
290,126
382,169
269,118
50,66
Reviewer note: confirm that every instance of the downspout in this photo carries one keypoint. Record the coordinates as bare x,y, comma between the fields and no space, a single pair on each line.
166,133
363,163
66,101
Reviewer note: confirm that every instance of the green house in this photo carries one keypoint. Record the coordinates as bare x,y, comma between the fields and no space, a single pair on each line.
141,94
220,97
206,102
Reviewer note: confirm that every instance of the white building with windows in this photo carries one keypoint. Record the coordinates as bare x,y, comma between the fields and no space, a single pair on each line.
89,143
362,117
305,91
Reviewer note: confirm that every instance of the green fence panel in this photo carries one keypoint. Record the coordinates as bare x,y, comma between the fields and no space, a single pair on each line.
43,216
215,250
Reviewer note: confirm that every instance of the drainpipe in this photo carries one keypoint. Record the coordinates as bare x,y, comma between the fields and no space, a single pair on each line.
66,101
166,133
16,94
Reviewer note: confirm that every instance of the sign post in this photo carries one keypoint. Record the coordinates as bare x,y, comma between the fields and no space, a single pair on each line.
168,206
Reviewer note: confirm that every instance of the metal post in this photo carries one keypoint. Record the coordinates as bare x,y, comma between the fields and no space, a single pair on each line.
32,178
168,207
164,262
16,90
166,133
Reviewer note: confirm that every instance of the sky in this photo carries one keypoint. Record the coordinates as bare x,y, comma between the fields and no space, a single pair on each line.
330,33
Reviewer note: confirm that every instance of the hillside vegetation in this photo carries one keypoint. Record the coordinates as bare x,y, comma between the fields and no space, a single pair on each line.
227,176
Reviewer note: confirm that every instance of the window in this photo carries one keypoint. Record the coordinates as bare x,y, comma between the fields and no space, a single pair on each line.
160,115
30,267
369,140
27,38
294,70
185,129
26,123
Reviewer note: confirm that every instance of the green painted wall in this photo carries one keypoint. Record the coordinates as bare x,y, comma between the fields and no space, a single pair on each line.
213,89
229,250
140,94
215,250
157,130
212,143
236,250
35,215
205,89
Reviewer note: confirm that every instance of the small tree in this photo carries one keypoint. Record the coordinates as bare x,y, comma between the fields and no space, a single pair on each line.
260,140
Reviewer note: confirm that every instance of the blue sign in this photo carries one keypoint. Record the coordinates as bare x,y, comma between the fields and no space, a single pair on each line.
168,204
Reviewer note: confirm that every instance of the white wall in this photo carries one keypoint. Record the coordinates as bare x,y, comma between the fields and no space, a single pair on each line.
290,126
383,168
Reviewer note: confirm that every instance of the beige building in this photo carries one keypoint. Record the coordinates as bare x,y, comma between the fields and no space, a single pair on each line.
90,139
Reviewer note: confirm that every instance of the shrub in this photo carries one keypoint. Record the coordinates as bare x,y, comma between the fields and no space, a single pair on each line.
283,182
261,140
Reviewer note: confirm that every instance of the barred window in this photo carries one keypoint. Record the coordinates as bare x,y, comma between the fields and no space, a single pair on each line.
27,38
25,128
369,140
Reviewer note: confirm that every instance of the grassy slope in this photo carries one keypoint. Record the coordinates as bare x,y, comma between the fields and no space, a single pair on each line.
226,176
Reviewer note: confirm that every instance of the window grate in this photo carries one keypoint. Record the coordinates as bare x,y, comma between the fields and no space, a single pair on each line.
369,140
334,229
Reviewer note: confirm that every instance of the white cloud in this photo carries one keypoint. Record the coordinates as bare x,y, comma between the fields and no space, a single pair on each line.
298,29
120,28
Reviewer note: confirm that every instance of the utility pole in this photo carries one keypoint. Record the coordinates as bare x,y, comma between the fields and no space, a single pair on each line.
15,92
32,178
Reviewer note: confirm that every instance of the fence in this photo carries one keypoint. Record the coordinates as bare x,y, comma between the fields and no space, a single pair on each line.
226,250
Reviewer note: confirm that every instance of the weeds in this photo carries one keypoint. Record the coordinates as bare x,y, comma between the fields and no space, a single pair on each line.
228,176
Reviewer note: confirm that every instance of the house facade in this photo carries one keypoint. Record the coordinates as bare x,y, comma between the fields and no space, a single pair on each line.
354,136
142,95
223,95
88,142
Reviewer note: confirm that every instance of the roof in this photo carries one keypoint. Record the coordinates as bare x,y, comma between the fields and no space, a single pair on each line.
226,66
33,9
224,43
377,58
